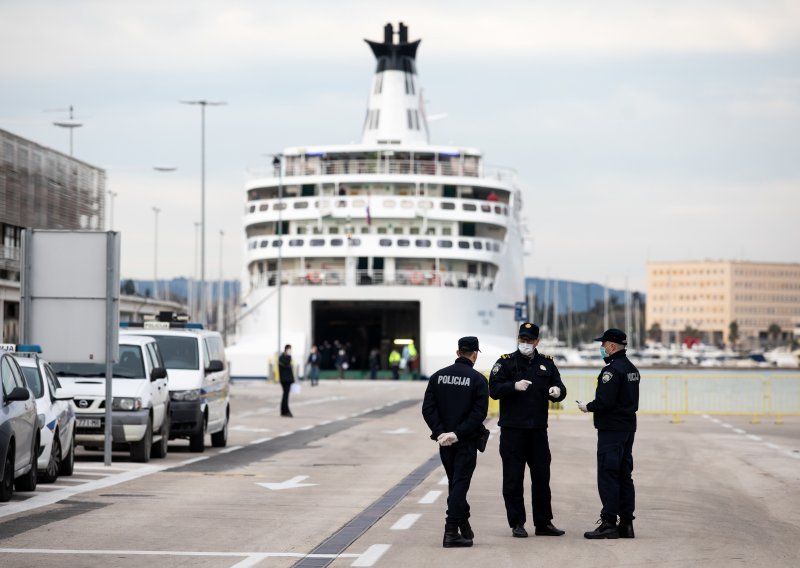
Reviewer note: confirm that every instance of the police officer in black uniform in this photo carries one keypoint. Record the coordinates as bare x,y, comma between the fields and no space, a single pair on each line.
524,382
615,403
455,406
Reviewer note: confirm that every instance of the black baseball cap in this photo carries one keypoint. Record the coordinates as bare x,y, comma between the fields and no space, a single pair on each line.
614,335
529,330
469,343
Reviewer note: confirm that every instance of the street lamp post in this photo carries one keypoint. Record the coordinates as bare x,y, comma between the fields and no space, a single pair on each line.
277,162
194,302
203,104
156,211
220,289
70,124
111,196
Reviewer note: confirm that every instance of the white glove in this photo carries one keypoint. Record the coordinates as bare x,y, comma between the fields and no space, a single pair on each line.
582,406
522,385
555,392
448,439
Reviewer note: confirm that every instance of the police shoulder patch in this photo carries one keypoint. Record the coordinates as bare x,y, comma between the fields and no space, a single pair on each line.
496,368
546,356
505,356
607,376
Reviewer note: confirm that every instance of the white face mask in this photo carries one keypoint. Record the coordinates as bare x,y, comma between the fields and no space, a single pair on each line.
525,348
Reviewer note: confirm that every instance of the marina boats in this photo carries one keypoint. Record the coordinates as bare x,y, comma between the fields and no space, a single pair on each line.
382,242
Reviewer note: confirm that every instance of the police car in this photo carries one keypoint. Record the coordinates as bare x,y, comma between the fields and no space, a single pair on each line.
199,378
140,404
19,428
56,452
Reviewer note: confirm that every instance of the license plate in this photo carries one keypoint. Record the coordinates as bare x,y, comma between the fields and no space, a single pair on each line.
88,422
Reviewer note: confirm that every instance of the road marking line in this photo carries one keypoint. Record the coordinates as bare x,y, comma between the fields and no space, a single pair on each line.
193,460
340,418
716,420
443,480
304,428
405,522
372,555
92,473
261,555
83,466
754,437
726,425
773,446
260,441
739,431
706,416
231,449
429,497
282,434
793,455
325,423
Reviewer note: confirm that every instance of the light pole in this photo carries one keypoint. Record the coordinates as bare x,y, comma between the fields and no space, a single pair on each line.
203,104
70,124
220,289
193,307
111,196
156,211
277,162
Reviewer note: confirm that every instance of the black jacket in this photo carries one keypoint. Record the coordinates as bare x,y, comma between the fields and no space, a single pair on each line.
456,400
616,399
285,371
528,408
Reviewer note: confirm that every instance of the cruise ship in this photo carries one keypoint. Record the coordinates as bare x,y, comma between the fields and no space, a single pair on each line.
380,242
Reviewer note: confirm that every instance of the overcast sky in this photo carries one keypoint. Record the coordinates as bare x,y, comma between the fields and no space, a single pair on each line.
641,130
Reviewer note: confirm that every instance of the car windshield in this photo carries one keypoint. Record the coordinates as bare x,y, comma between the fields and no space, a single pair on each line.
178,352
130,366
34,380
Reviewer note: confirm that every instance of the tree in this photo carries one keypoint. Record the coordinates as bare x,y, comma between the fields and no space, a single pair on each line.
774,331
733,333
129,287
654,334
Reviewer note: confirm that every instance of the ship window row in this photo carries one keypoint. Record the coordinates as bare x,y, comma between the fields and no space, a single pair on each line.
373,119
409,83
387,203
413,119
404,243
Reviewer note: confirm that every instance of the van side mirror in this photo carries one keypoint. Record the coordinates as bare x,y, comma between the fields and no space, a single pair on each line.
18,393
158,373
215,366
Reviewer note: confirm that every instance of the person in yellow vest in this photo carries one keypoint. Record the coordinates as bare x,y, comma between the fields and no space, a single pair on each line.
413,360
394,363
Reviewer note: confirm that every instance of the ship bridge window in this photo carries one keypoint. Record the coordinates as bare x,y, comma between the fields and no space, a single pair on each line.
252,209
355,242
398,230
279,207
469,207
317,242
448,205
301,205
486,208
463,244
498,209
430,231
333,230
264,244
337,242
403,242
276,243
496,247
296,243
413,231
477,245
364,230
385,242
445,244
423,243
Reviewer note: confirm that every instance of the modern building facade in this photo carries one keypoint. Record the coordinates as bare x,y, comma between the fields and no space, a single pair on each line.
708,296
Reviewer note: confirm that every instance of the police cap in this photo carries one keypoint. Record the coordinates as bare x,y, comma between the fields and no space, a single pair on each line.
469,343
614,335
529,330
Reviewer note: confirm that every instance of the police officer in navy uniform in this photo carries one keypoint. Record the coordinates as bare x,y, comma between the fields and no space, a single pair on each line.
614,409
525,382
455,406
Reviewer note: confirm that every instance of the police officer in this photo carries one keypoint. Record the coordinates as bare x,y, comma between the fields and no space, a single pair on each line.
455,406
286,377
524,382
615,403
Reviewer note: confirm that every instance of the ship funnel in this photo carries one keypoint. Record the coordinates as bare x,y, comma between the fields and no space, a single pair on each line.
395,112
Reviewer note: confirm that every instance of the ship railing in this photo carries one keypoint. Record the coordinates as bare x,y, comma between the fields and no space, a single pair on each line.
455,168
399,277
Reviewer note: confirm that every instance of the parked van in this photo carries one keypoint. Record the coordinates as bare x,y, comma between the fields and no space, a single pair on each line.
199,379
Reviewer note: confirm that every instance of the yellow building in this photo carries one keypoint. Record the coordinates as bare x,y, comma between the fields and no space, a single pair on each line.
709,295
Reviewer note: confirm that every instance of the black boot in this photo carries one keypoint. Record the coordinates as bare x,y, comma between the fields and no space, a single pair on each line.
519,532
466,530
625,528
607,529
452,539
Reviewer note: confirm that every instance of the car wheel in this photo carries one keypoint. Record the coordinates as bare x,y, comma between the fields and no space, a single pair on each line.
28,481
220,439
68,463
161,449
7,486
54,465
140,451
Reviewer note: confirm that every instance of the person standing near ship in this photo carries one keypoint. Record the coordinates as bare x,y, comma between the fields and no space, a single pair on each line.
313,363
286,377
454,408
525,382
614,409
394,363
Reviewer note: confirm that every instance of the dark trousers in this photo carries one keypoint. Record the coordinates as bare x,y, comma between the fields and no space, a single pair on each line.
396,372
520,447
285,399
459,463
614,468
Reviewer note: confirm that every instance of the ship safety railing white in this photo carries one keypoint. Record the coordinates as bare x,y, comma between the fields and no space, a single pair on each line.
678,395
338,277
390,166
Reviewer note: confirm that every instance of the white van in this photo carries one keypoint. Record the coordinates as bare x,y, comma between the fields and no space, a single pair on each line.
199,379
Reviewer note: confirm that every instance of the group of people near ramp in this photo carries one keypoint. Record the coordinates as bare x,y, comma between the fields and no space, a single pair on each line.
525,382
